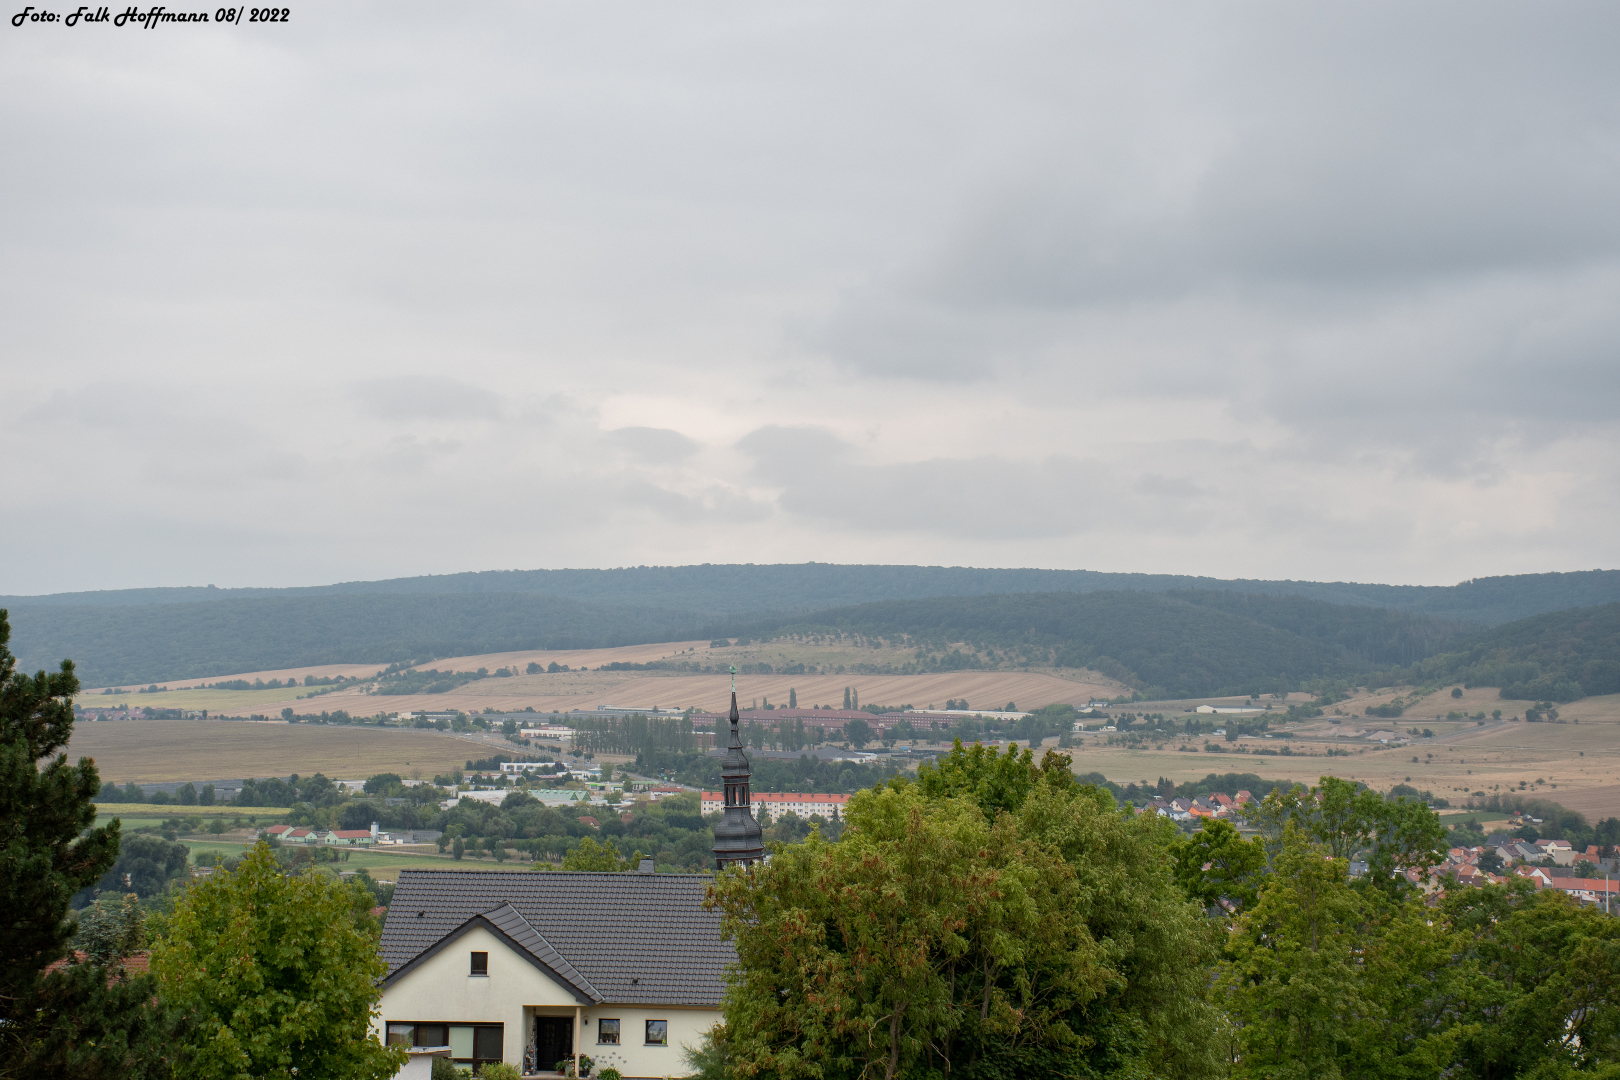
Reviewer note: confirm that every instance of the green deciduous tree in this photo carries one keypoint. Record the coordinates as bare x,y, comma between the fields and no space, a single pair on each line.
1216,864
111,929
1552,969
603,857
1293,968
280,974
927,937
1043,936
1395,834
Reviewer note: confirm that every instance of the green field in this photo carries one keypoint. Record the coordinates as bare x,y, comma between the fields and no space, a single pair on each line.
383,866
162,811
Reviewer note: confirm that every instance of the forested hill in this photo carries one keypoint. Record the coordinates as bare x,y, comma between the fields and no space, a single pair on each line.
155,642
1178,644
1163,633
1555,657
754,590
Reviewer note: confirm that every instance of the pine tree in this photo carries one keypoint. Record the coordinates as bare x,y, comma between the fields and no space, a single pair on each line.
793,698
83,1020
846,697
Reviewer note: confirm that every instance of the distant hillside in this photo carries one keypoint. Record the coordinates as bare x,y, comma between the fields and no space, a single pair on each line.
1180,644
156,642
754,590
1555,657
1185,634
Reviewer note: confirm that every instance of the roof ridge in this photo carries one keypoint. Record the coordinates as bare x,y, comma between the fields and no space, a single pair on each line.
519,929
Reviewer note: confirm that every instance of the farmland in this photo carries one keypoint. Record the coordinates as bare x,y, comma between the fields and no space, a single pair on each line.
154,751
583,687
1577,764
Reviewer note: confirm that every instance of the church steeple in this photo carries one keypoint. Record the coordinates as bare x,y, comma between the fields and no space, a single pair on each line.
737,838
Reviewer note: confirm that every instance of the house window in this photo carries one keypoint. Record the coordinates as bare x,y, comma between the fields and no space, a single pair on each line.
486,1044
607,1031
658,1033
480,963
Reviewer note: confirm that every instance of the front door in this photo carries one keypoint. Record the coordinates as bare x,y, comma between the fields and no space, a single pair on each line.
553,1041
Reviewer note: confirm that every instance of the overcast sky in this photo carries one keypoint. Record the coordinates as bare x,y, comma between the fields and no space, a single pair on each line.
1261,290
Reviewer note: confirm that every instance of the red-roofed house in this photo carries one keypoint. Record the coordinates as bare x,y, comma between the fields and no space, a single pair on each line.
1586,890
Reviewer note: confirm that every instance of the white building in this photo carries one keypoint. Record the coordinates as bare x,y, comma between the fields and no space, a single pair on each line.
531,969
546,731
801,803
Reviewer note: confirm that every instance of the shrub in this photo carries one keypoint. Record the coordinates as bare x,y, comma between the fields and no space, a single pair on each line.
499,1070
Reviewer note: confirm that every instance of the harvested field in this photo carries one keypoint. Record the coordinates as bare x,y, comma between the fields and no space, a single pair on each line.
1578,763
583,689
152,751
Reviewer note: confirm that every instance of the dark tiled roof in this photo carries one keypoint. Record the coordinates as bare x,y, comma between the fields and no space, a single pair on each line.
604,929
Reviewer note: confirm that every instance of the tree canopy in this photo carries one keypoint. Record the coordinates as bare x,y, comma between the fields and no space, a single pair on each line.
993,919
279,973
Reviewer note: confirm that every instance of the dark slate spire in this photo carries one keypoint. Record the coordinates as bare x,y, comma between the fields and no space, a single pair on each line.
737,837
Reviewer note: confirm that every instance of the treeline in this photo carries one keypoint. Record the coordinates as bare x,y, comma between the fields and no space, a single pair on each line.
187,794
633,735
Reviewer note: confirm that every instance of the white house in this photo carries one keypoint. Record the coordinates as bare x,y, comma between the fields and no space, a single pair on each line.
804,804
530,968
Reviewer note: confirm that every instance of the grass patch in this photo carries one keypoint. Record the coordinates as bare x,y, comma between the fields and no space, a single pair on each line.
381,865
162,811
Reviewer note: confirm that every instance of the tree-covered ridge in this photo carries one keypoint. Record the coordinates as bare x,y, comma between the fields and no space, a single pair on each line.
153,643
719,589
1180,644
1559,656
1169,643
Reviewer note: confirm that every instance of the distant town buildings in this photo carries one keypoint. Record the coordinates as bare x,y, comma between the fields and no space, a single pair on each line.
803,804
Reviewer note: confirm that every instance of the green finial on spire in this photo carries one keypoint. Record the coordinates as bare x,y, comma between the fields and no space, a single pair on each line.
733,678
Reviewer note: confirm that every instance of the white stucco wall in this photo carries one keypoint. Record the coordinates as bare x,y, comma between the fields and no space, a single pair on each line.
632,1057
441,991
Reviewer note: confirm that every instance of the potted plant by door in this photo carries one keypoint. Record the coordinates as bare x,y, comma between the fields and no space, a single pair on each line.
566,1066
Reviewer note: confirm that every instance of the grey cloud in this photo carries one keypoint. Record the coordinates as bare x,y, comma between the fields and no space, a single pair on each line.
819,476
658,446
1352,270
421,397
